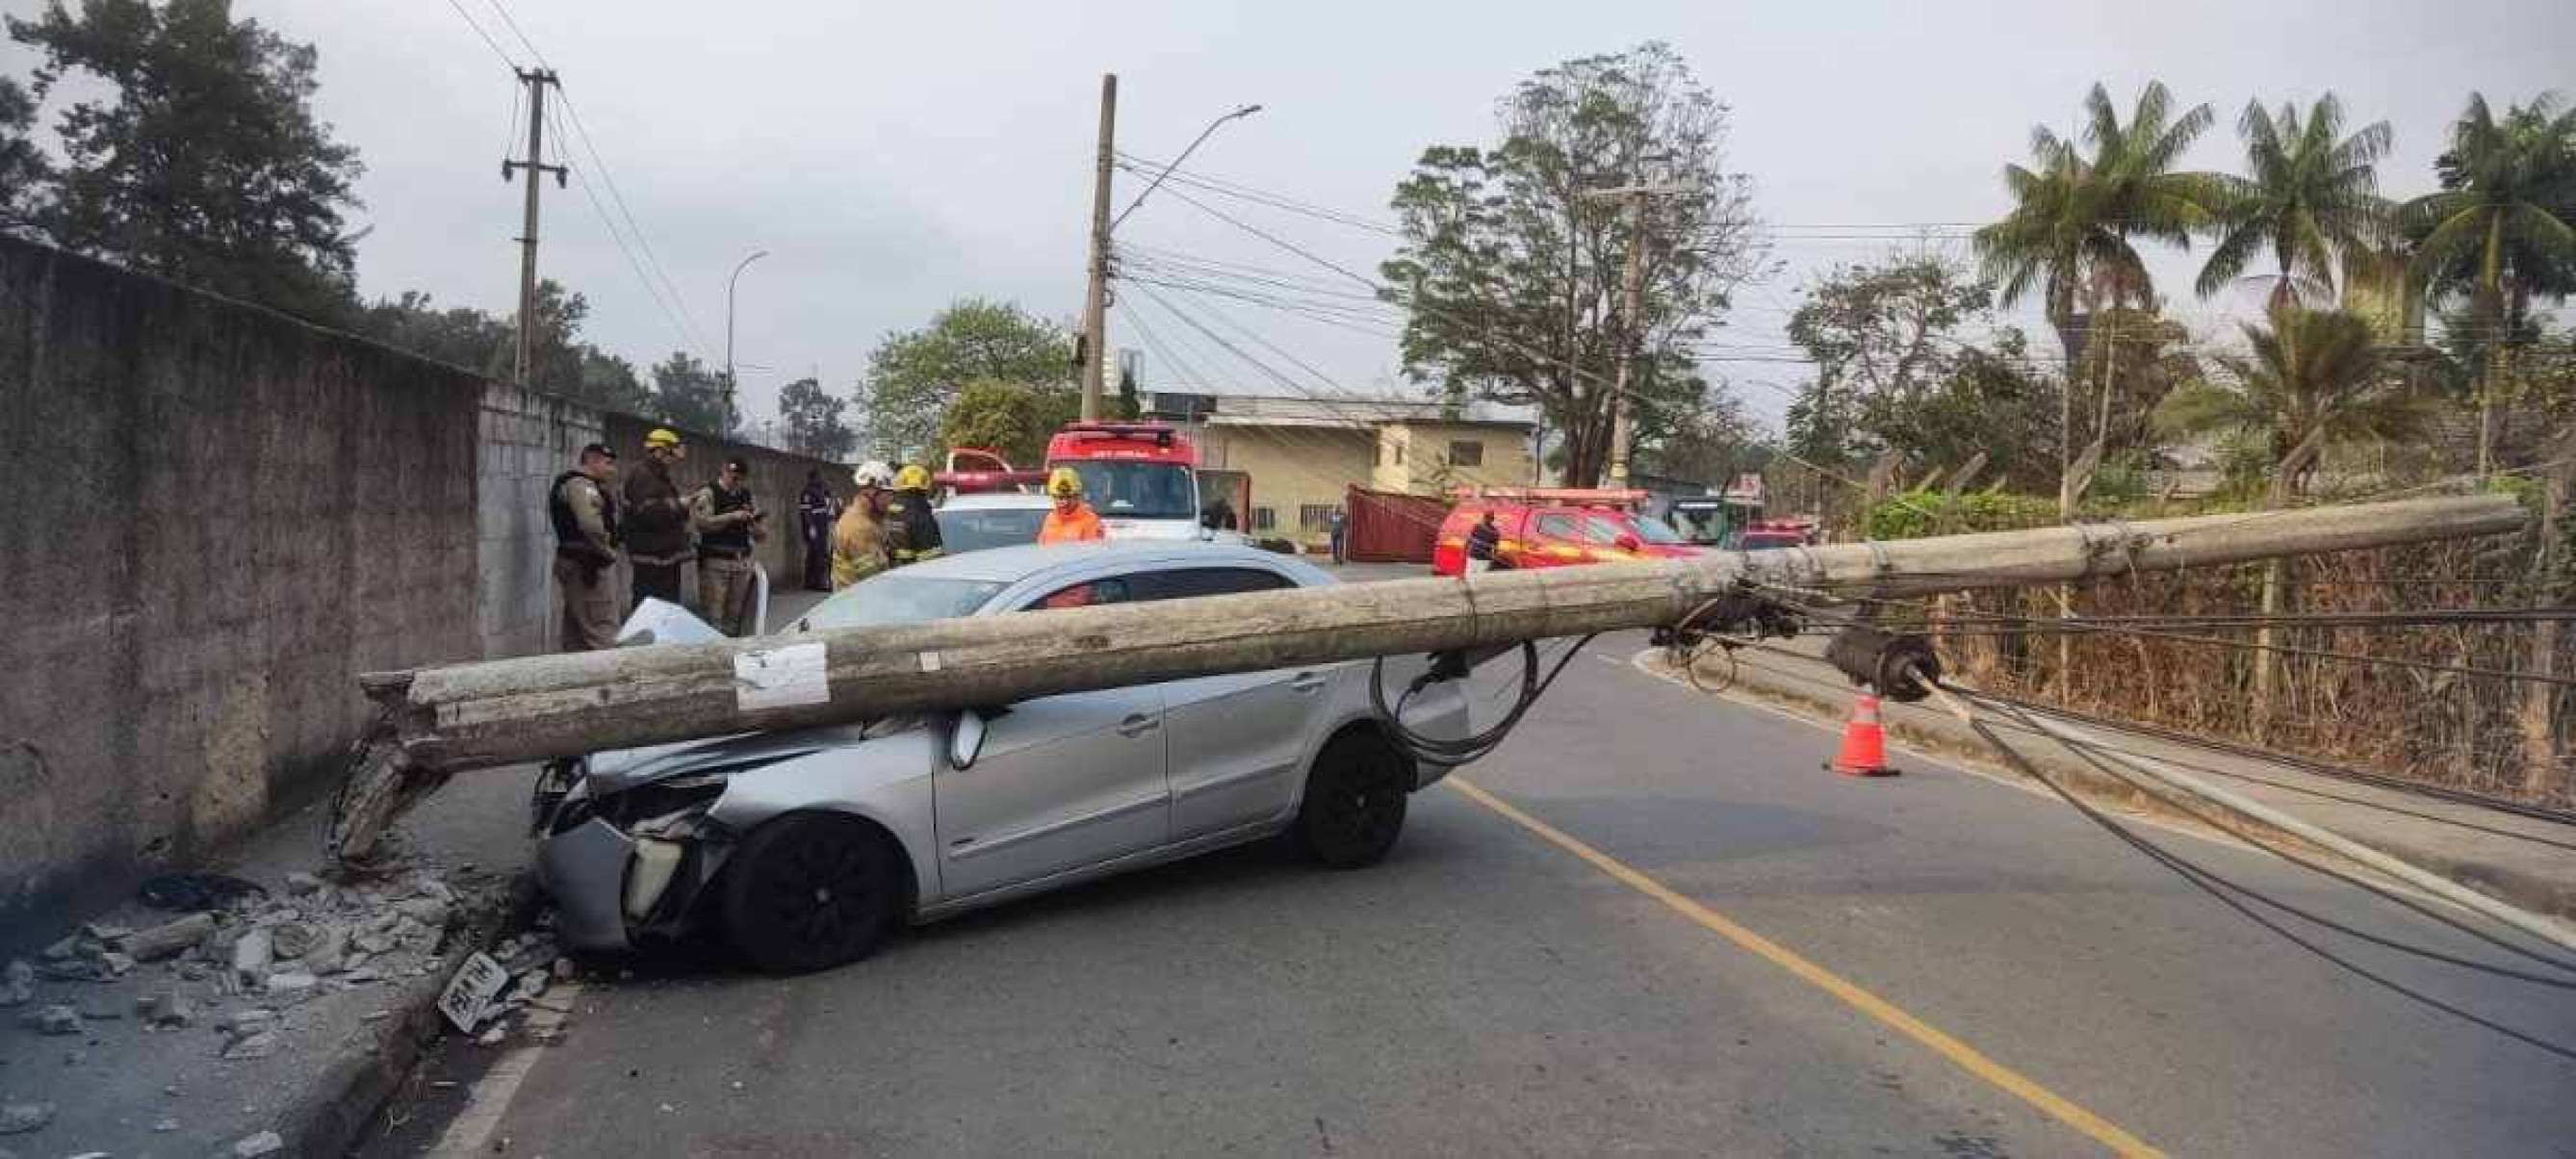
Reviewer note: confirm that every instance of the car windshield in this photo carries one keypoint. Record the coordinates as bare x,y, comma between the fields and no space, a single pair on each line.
978,528
1653,530
1131,490
898,597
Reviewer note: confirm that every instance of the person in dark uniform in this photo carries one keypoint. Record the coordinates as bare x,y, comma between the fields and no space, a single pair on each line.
657,519
816,509
728,522
911,530
584,515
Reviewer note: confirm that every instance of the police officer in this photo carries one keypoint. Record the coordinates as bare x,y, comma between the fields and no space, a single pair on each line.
728,522
912,532
584,515
816,509
657,519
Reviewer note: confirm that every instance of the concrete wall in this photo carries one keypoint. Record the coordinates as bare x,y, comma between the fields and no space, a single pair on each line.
218,516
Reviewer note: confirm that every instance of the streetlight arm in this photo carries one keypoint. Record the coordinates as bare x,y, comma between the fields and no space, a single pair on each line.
1204,134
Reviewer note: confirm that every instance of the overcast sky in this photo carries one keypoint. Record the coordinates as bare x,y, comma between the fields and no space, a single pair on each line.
893,158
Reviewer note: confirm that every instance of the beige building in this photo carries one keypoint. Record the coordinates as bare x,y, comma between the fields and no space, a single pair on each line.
1286,463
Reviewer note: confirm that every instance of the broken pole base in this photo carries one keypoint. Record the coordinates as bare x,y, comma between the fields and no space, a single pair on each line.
381,784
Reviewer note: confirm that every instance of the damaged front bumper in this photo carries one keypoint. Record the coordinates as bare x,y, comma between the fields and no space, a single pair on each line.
628,867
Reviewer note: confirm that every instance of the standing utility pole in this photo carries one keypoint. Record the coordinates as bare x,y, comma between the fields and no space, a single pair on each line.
536,167
1632,333
1095,302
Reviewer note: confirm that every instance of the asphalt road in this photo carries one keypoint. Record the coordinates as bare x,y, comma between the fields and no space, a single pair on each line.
1748,956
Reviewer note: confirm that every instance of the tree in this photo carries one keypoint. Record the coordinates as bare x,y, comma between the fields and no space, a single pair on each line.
1709,445
2310,380
1886,329
2074,216
813,421
24,172
913,376
688,393
1986,401
1510,269
477,341
2499,228
206,164
1013,418
2310,195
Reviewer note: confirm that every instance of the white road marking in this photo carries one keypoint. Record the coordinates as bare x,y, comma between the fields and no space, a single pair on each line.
471,1132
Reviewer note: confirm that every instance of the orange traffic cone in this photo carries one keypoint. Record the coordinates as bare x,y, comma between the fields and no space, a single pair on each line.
1864,752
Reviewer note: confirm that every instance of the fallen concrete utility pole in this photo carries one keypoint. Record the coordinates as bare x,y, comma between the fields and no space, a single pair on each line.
443,720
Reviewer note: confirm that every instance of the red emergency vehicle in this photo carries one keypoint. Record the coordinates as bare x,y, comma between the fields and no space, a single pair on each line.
1555,527
1142,477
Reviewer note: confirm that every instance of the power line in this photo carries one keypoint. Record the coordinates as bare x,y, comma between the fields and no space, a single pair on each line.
632,262
488,42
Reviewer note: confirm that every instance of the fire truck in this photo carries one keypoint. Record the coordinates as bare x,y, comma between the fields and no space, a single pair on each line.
1142,477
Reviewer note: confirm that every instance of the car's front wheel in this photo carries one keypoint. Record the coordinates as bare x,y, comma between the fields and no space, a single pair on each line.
809,891
1355,801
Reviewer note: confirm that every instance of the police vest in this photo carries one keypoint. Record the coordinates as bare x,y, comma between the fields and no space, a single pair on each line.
732,542
568,535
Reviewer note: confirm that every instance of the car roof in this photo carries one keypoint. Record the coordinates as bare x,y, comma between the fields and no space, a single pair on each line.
1021,561
1007,500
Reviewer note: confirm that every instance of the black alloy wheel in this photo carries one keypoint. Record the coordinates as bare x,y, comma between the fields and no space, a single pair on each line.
1355,801
809,891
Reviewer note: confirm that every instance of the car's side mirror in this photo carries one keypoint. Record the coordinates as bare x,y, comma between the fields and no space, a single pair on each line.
1631,543
966,740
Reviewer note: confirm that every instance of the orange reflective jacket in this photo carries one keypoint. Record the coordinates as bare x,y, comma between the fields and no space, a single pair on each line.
1083,524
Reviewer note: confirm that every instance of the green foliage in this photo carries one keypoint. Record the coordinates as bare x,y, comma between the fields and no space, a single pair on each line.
1710,445
813,421
1924,512
485,344
2132,360
691,394
1511,275
2074,215
205,164
2502,218
24,172
2311,379
914,376
2310,196
1013,418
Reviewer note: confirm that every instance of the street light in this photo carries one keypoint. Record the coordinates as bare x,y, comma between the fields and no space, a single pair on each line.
756,255
1204,134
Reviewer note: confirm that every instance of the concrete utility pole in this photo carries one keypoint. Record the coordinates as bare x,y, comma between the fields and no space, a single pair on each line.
1095,301
536,167
469,716
1632,308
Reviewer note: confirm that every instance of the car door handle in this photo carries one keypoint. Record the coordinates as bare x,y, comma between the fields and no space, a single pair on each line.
1306,682
1139,725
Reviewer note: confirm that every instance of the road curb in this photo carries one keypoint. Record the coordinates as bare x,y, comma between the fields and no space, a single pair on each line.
1939,734
332,1112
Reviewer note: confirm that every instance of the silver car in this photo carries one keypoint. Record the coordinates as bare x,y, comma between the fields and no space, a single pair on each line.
803,848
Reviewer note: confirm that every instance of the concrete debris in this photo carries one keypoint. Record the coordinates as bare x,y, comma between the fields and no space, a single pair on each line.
302,884
291,985
292,939
169,938
193,971
260,1045
245,1023
18,983
434,889
69,970
252,955
114,965
54,1019
264,1143
564,969
166,1008
428,911
104,933
375,942
531,984
64,950
329,953
20,1118
492,1037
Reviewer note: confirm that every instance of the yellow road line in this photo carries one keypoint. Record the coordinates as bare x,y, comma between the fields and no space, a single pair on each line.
1960,1054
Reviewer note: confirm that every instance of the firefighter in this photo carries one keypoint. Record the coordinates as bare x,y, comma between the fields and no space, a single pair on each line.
911,531
1484,545
858,537
657,519
1073,520
584,515
728,521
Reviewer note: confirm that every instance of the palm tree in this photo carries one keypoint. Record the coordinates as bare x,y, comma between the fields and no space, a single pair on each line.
2505,205
2310,379
2074,217
2310,195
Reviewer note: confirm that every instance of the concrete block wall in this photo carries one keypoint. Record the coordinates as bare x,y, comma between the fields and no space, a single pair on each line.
218,517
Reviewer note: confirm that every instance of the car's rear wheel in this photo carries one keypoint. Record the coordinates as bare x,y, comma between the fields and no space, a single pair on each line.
809,891
1355,801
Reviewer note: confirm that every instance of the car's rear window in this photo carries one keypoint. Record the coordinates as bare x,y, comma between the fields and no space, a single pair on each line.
898,597
979,528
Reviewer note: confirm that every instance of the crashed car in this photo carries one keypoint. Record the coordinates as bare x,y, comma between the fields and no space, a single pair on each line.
803,848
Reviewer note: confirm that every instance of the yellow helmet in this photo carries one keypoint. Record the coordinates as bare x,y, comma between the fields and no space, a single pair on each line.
1064,483
913,477
662,437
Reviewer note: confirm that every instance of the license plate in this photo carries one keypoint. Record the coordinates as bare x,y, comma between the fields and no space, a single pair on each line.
476,983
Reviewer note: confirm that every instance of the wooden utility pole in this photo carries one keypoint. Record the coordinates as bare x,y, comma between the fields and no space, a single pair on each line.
468,716
535,167
1095,301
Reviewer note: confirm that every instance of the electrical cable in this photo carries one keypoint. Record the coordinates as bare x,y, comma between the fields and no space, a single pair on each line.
1479,745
